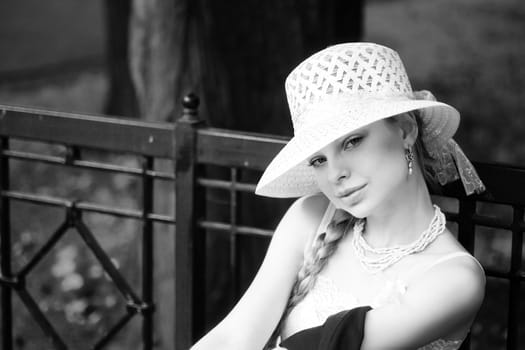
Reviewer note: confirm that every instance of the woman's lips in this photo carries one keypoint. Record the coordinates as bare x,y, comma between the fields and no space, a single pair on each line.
350,194
348,191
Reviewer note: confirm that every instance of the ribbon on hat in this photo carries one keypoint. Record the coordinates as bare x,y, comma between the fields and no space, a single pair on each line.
452,164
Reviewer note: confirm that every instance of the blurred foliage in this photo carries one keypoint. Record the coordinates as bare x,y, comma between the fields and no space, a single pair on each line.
469,53
69,285
35,33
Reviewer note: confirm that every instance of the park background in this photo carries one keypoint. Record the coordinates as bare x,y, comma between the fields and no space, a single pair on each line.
469,53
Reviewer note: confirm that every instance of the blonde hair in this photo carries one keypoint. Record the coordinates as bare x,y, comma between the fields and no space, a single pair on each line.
325,244
323,247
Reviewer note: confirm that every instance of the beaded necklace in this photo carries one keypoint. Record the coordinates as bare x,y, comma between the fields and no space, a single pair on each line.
385,257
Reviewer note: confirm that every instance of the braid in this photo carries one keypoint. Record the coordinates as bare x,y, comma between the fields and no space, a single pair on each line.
315,260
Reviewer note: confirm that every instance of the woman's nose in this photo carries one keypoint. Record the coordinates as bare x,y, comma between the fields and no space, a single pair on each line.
338,170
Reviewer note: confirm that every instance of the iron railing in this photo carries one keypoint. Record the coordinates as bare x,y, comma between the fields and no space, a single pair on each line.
76,132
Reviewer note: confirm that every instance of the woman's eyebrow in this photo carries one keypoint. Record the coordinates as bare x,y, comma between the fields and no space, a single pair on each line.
354,133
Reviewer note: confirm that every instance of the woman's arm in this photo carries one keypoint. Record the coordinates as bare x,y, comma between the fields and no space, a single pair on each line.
252,320
443,301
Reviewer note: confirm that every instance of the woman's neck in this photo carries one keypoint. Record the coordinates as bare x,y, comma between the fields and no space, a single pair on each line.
403,219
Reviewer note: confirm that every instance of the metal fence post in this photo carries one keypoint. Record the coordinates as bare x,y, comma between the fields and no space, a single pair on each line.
513,318
466,232
147,254
5,250
189,239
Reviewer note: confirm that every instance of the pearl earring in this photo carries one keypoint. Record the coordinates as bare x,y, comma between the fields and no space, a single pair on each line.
409,155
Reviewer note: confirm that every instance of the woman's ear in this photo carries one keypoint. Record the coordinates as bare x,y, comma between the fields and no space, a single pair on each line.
408,126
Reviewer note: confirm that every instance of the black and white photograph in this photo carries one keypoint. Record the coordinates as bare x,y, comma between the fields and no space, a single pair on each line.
262,175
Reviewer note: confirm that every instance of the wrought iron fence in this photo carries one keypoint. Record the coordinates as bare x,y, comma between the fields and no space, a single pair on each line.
196,148
78,132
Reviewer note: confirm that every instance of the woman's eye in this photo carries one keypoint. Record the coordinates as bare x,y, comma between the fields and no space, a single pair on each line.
315,162
352,142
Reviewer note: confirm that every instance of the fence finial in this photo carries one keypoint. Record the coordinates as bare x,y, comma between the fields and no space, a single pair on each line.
190,103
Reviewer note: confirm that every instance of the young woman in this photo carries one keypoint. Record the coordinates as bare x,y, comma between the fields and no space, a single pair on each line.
364,231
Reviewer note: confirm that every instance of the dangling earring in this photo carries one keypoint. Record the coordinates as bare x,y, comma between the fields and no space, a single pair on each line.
409,155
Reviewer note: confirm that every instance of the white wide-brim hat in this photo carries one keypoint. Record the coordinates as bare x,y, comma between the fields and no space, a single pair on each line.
338,90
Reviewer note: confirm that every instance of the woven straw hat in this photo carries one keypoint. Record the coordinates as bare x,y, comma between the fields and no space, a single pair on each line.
340,89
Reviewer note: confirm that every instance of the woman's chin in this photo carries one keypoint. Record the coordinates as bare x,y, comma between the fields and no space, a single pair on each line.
355,203
358,214
358,210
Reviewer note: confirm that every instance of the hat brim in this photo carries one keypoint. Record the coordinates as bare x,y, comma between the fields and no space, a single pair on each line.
288,174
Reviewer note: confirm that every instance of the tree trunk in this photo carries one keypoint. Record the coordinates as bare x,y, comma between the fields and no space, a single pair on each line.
153,64
121,98
153,58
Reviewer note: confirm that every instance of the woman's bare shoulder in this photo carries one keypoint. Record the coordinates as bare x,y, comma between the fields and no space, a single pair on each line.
303,217
440,302
455,270
313,205
444,292
457,260
455,282
462,273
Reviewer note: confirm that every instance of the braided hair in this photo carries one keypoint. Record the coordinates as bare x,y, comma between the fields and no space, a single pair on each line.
324,246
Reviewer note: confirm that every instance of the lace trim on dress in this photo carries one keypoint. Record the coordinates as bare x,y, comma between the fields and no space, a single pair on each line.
442,344
327,299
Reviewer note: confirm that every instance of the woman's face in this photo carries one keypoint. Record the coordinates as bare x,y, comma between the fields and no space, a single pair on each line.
363,170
